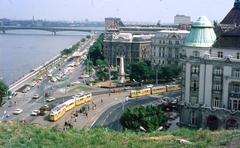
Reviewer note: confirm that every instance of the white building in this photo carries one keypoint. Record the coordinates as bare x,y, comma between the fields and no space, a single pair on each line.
182,19
166,46
210,78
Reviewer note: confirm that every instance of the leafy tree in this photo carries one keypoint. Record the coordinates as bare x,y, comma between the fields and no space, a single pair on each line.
3,90
88,36
139,71
96,50
151,118
83,40
169,72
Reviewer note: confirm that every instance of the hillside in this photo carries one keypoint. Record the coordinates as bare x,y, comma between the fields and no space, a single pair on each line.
18,135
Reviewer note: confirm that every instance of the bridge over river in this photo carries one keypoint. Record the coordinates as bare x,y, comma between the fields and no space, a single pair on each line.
51,29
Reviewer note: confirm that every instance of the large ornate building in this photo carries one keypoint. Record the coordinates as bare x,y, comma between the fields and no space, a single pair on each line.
210,96
166,46
134,48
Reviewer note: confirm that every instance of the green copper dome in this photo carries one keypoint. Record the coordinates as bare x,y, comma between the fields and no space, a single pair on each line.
201,34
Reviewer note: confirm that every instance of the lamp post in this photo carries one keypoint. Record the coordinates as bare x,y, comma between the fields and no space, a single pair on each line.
109,81
136,90
121,102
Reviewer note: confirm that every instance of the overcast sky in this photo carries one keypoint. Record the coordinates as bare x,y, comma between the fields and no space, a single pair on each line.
127,10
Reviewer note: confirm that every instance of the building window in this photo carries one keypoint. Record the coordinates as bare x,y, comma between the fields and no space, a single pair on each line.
217,71
159,41
169,62
195,69
236,73
193,117
220,54
217,86
194,85
236,87
238,55
216,102
195,54
177,42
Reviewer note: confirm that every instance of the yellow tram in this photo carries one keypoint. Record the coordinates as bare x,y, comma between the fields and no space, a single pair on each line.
57,112
153,90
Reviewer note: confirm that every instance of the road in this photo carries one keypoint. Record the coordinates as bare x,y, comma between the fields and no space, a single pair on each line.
26,102
111,117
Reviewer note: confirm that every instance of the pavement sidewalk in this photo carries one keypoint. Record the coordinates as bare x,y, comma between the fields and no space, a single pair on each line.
84,122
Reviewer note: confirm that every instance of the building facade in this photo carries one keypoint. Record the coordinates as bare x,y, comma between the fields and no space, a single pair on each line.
181,19
166,47
134,48
210,78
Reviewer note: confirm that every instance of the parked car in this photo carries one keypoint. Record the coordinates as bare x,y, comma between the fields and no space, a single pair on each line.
36,96
35,112
17,111
115,90
50,99
80,77
128,88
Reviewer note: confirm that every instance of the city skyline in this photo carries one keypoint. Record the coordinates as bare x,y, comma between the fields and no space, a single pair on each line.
97,10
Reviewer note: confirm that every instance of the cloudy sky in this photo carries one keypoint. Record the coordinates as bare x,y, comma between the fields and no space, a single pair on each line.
127,10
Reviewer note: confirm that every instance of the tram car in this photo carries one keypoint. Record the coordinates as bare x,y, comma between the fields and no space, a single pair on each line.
153,90
59,111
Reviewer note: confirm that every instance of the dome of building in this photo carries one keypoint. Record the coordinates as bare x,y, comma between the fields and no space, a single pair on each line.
201,34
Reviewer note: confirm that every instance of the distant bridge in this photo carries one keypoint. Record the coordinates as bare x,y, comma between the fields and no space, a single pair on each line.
50,29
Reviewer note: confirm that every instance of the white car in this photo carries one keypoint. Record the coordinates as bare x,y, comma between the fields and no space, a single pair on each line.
35,112
17,111
50,99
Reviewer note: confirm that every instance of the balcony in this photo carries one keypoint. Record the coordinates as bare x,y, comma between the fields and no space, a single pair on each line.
195,75
194,91
197,59
215,91
234,94
183,57
217,76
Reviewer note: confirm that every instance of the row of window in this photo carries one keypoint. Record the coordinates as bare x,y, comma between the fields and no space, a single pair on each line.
220,54
167,42
216,71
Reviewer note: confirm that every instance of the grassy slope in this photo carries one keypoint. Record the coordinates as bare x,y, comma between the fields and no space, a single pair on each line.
19,135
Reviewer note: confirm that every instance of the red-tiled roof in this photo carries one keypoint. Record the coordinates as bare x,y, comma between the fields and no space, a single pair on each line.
232,17
229,39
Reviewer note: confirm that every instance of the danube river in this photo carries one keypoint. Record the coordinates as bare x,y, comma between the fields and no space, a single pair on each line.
23,50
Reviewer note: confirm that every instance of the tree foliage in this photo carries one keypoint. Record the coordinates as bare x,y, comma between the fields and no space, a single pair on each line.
139,71
3,90
96,50
70,50
151,118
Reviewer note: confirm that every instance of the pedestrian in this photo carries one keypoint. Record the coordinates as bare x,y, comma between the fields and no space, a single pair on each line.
95,105
76,119
101,100
86,114
88,107
15,102
76,111
80,110
66,123
76,115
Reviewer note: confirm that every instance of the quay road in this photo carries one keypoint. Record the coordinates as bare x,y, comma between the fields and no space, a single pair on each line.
25,101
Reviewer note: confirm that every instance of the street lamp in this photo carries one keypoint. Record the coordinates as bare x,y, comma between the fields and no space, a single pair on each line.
121,102
137,89
156,73
109,80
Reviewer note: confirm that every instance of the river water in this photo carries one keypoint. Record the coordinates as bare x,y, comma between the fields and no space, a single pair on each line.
23,50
